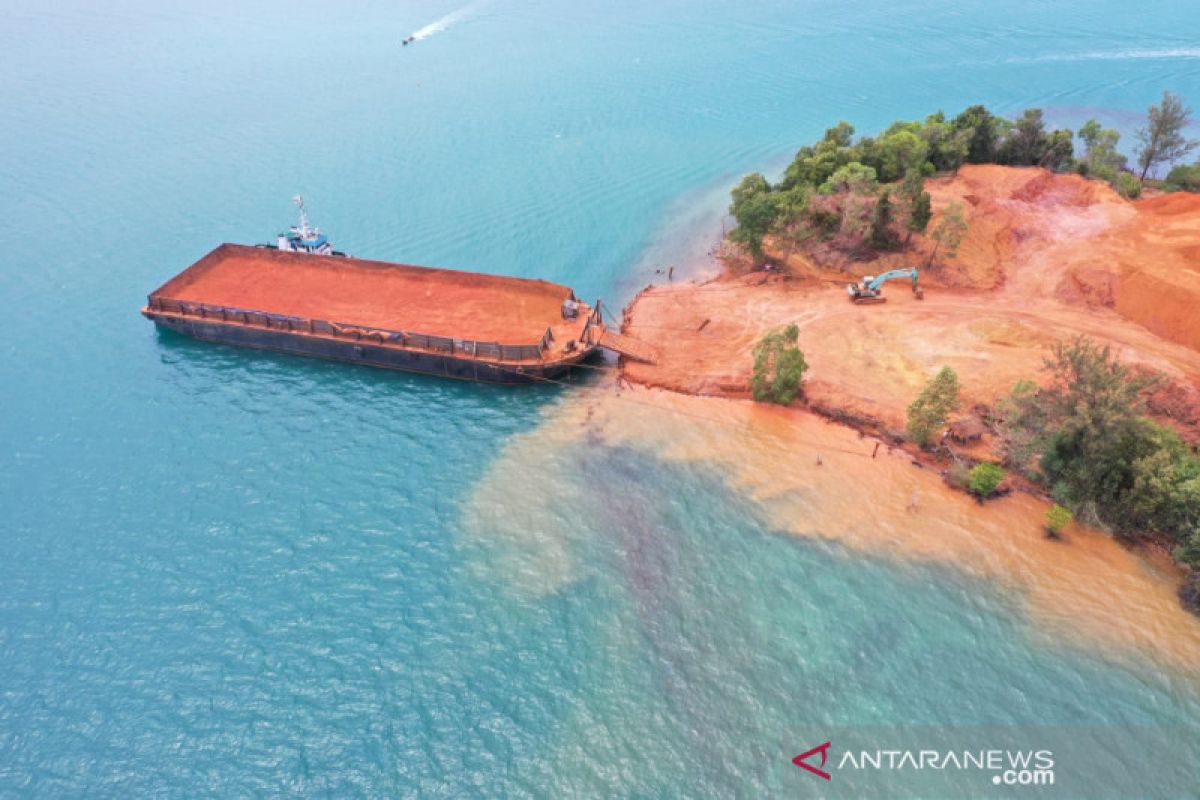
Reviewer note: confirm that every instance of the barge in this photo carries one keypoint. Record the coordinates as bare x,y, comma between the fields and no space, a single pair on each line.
443,322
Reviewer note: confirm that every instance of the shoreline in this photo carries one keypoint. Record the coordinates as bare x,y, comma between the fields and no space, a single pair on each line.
815,479
867,363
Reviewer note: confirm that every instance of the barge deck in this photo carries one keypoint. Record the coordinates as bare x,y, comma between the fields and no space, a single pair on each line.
419,319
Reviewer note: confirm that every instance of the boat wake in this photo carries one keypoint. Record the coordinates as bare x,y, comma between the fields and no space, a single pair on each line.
442,23
1115,55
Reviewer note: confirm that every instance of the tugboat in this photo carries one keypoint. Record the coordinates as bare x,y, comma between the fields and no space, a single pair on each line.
304,238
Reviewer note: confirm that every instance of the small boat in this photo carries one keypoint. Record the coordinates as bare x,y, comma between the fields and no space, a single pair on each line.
409,40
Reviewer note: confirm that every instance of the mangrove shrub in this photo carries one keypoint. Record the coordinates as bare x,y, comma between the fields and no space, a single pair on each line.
984,479
779,367
1057,518
1086,438
928,413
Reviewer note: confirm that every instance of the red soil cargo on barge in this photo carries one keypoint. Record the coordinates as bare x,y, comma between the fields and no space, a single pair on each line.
437,321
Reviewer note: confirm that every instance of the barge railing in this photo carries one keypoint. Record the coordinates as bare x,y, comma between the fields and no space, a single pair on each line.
587,336
420,341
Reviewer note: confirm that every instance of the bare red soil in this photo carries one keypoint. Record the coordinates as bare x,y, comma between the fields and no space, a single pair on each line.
1046,257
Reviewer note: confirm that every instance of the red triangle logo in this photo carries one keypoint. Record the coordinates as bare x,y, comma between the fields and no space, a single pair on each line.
799,760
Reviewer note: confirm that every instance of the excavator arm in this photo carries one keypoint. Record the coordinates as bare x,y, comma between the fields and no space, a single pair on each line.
871,288
892,275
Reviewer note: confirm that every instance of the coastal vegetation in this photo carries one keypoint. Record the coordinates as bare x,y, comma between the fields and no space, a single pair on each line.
1183,178
1086,438
984,479
1162,140
929,411
864,196
1057,518
779,367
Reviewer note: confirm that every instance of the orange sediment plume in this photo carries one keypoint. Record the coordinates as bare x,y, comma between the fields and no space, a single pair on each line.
1086,591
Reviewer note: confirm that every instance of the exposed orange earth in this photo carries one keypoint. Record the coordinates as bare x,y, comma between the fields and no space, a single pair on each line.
1046,257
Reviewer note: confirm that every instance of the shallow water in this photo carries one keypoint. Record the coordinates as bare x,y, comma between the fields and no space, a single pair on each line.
228,573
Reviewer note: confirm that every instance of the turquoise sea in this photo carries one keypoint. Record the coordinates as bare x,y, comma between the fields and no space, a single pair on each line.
229,574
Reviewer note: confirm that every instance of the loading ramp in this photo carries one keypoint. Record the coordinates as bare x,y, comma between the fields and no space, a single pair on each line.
629,347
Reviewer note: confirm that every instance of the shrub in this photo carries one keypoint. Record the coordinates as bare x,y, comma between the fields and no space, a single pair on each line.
1183,178
1189,552
778,367
1189,593
1127,186
958,476
1057,518
928,412
984,479
757,210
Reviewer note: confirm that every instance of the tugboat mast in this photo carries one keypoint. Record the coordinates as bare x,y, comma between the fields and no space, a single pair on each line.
303,228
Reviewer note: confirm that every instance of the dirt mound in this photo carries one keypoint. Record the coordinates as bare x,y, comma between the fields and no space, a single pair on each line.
1048,189
1091,286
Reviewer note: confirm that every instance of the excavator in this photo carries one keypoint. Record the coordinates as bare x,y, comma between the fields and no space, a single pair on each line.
871,288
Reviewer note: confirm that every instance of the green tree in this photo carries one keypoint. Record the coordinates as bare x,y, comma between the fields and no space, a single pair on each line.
854,177
750,186
1099,452
948,146
1127,186
1059,154
1189,592
881,220
919,215
980,128
1100,156
898,153
814,164
1025,426
930,410
952,152
1057,518
1165,496
1162,140
1189,551
949,232
792,206
916,206
841,135
1028,144
779,367
1095,430
793,202
984,478
756,210
1183,178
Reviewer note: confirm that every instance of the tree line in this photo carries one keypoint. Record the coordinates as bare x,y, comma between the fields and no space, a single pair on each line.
869,193
1086,439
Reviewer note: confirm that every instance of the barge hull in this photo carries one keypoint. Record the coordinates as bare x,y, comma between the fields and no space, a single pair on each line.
402,359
